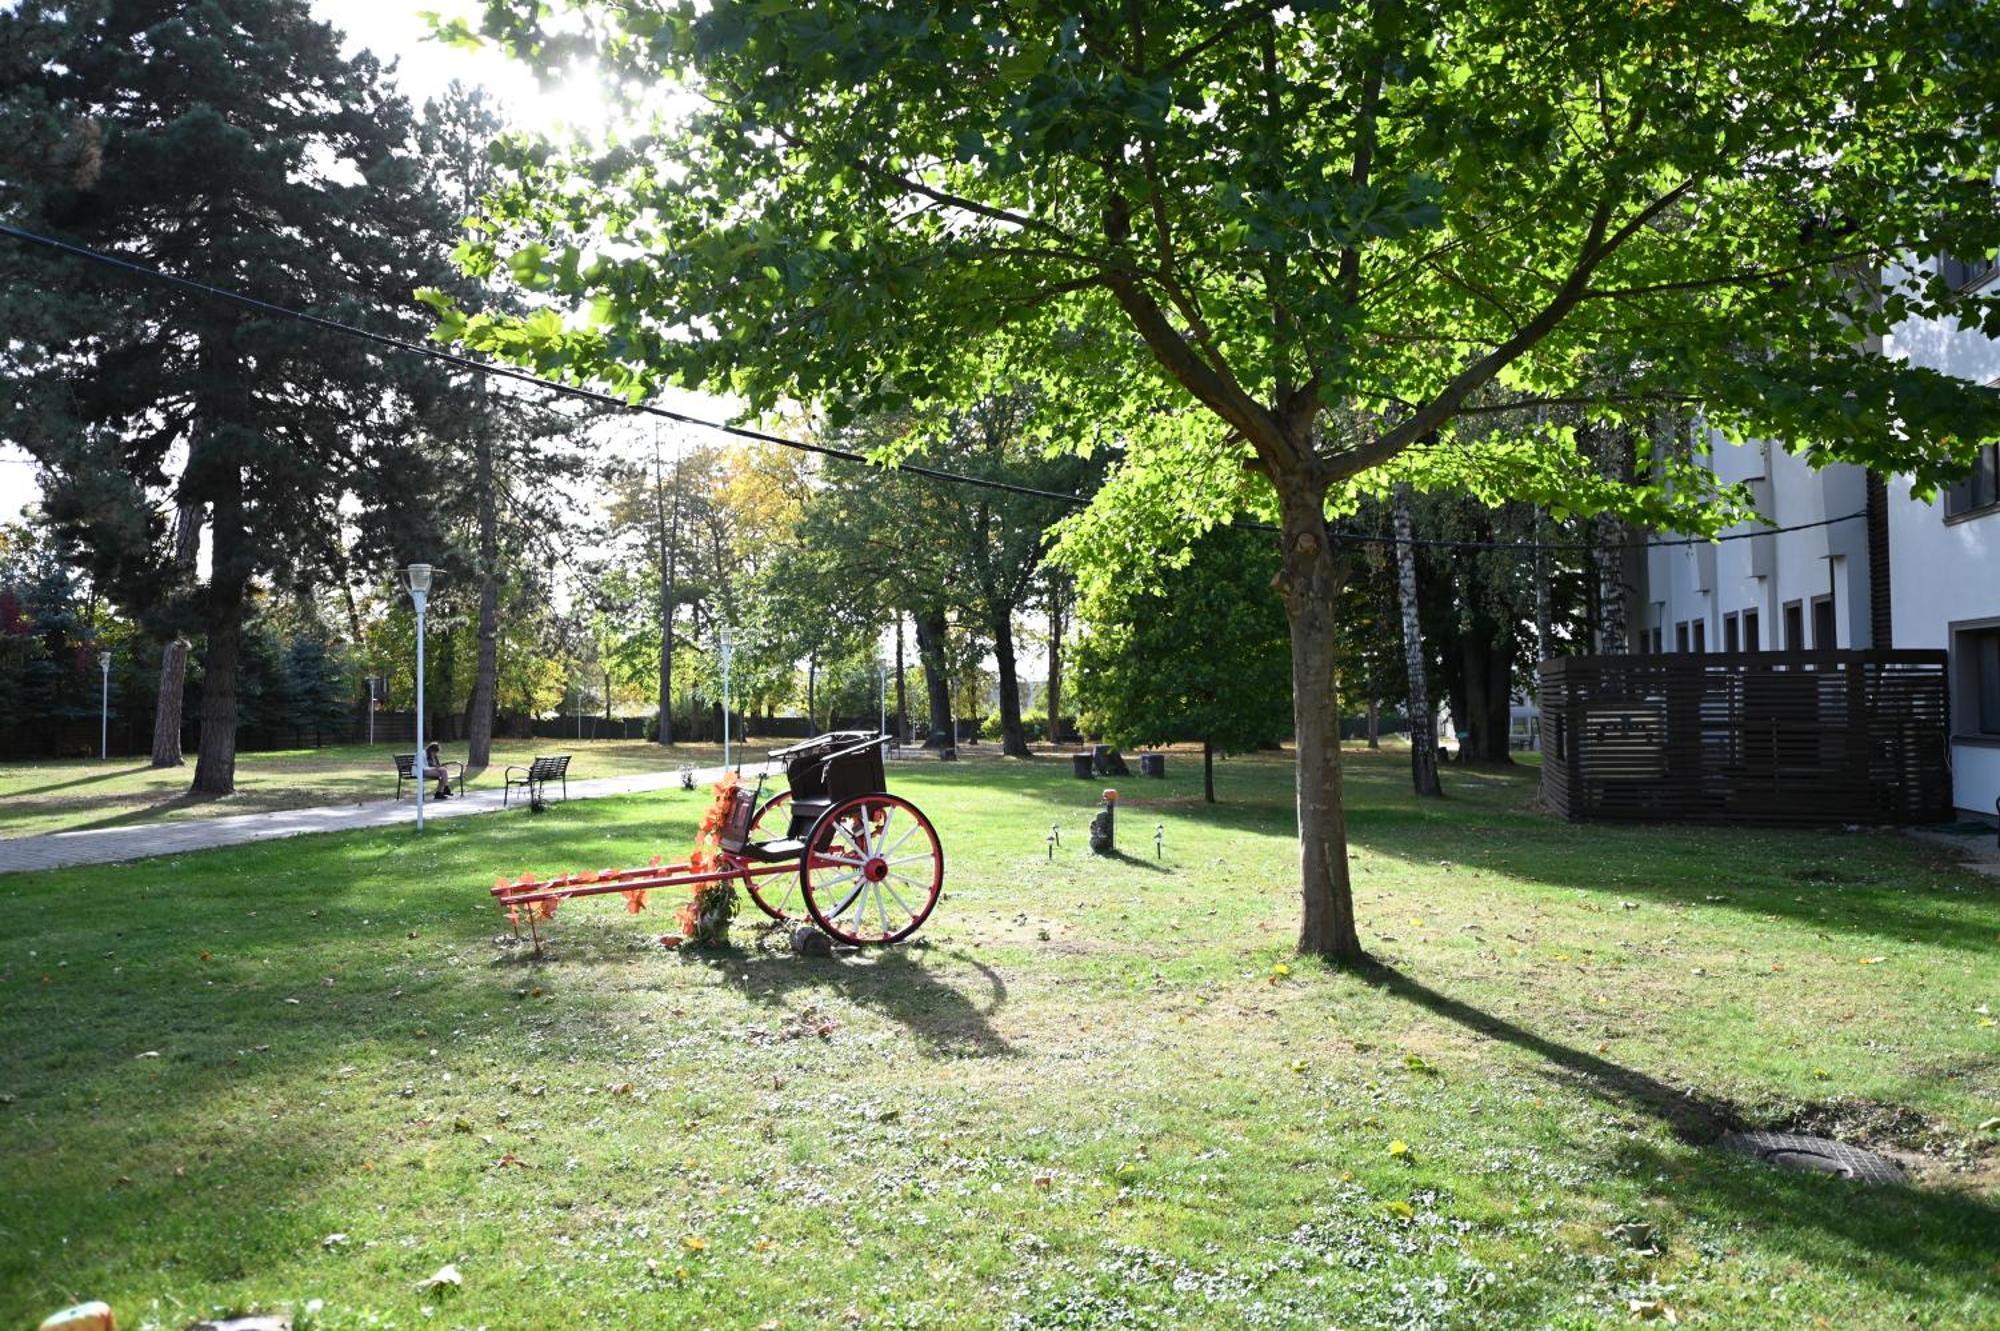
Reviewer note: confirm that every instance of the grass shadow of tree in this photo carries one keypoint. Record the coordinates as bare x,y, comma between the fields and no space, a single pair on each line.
1690,1117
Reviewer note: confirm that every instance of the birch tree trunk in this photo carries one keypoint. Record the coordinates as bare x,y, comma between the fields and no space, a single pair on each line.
1612,632
1423,726
1055,663
486,671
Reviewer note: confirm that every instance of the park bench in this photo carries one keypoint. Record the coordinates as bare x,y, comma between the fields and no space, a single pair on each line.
406,770
535,776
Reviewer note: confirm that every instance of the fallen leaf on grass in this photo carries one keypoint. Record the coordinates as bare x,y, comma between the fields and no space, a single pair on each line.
333,1241
445,1277
1401,1210
1651,1310
1872,961
1399,1149
695,1243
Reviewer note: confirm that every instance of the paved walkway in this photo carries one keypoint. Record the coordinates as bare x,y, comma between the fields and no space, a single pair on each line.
1977,850
108,845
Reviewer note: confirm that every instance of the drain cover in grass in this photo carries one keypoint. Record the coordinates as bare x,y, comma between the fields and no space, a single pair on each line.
1815,1155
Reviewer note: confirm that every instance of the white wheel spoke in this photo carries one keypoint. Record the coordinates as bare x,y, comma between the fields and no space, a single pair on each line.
905,859
882,911
851,898
914,829
899,899
921,887
881,829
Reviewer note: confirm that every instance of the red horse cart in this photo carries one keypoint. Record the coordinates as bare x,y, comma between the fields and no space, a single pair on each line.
866,865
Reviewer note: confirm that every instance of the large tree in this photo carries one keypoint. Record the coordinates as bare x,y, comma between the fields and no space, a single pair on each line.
1333,228
232,144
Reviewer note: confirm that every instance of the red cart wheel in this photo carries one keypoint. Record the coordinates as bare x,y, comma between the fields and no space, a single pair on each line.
872,870
771,823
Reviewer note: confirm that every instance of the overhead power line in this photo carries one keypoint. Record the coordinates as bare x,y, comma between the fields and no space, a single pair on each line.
600,398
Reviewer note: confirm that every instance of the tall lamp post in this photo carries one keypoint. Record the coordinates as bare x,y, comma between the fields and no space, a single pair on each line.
728,646
104,708
883,682
418,576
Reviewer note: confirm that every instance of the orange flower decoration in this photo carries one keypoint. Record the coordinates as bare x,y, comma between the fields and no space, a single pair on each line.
635,900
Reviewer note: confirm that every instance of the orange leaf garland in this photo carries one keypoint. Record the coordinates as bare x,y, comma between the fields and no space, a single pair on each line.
635,899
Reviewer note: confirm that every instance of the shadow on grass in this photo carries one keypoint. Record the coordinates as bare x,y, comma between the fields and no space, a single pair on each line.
1909,1239
150,812
81,781
1928,1245
894,982
1689,1117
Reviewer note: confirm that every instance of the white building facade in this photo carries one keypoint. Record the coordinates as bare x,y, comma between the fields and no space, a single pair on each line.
1877,567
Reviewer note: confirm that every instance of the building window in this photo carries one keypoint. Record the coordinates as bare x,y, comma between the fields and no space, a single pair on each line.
1701,635
1681,636
1981,487
1750,643
1659,640
1976,672
1795,627
1825,637
1965,274
1732,640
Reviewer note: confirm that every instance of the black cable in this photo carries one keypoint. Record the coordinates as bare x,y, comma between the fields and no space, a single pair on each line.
467,363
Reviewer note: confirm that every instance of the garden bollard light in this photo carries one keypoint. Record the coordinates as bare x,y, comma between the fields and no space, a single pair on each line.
1054,838
1159,841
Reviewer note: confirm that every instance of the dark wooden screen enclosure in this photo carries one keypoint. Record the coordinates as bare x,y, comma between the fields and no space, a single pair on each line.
1748,737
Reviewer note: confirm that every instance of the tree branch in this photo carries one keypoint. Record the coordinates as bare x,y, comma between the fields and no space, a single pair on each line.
1596,245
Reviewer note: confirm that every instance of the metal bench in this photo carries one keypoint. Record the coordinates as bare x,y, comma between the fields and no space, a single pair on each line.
406,770
535,777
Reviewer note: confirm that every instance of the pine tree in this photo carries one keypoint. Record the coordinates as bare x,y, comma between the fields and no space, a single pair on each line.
229,142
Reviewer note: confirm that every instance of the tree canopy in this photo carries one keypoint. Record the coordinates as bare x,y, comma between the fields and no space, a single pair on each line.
1307,240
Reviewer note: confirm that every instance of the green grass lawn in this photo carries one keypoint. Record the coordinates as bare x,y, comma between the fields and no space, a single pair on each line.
83,793
1101,1092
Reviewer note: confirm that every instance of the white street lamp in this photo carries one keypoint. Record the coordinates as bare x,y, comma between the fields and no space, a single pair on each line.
883,682
418,578
728,647
104,708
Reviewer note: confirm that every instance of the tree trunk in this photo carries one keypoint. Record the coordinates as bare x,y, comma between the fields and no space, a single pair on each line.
1488,704
1055,663
1374,724
931,652
486,673
812,681
670,540
902,697
1309,581
229,576
1423,726
1617,463
1013,735
174,657
1208,771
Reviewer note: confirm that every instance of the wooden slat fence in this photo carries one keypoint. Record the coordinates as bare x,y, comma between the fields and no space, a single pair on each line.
1799,738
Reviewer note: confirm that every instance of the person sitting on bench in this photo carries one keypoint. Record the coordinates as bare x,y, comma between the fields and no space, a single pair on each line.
434,769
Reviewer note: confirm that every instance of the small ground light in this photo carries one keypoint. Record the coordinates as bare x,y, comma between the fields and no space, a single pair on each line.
1159,841
1054,838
